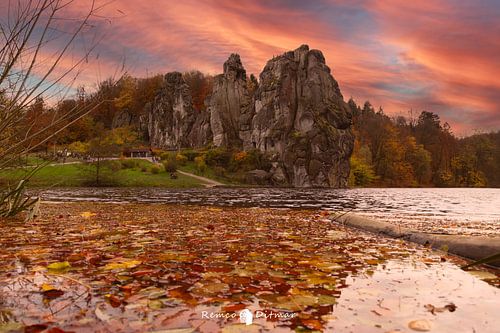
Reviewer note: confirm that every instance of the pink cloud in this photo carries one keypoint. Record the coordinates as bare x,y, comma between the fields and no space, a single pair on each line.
401,55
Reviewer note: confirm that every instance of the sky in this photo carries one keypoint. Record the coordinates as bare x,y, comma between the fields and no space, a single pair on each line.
438,56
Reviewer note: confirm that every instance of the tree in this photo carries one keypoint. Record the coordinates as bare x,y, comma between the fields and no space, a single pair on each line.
200,86
362,173
465,171
107,143
436,139
31,31
252,84
420,160
127,88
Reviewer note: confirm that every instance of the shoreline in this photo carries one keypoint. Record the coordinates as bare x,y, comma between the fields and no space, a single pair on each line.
470,247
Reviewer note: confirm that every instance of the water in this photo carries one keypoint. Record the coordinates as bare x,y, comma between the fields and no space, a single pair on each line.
158,268
437,210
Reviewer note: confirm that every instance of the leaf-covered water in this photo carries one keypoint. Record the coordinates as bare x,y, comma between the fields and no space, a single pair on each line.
137,267
470,211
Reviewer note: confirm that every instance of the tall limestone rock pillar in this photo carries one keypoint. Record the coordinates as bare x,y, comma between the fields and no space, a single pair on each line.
230,105
302,119
171,116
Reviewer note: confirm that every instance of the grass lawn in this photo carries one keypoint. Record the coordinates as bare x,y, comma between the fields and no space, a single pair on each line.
79,175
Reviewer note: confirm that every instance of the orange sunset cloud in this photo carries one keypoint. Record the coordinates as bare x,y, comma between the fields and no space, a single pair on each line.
439,56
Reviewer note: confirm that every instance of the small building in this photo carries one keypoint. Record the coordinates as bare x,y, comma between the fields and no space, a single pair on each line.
138,152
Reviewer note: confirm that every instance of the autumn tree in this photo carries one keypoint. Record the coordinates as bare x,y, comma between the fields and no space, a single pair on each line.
200,85
106,144
437,139
420,160
362,172
108,91
35,38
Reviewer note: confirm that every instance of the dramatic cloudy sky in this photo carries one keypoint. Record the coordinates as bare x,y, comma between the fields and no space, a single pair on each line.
440,56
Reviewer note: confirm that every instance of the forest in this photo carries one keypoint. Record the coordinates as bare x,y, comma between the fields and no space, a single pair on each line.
403,151
419,151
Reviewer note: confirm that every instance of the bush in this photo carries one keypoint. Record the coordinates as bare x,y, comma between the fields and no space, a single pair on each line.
201,166
240,156
218,157
181,159
191,154
170,165
165,156
128,164
255,159
144,168
155,169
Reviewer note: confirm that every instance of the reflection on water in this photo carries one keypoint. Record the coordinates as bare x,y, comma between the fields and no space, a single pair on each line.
400,292
391,297
452,211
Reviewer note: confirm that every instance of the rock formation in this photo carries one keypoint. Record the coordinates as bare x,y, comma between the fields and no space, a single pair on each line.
229,105
301,118
297,116
172,115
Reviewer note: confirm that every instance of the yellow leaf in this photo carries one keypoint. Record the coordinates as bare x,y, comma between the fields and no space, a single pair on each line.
47,287
87,215
122,264
59,266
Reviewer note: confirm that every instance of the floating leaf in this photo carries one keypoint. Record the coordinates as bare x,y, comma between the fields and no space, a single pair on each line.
87,215
35,328
420,325
313,324
335,234
124,264
326,300
155,304
53,293
47,287
448,307
295,303
210,288
10,327
59,266
113,300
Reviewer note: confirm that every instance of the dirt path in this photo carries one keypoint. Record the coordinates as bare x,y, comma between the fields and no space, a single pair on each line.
208,182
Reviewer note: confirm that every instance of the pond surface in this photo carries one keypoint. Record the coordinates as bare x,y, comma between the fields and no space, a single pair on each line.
94,267
438,210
